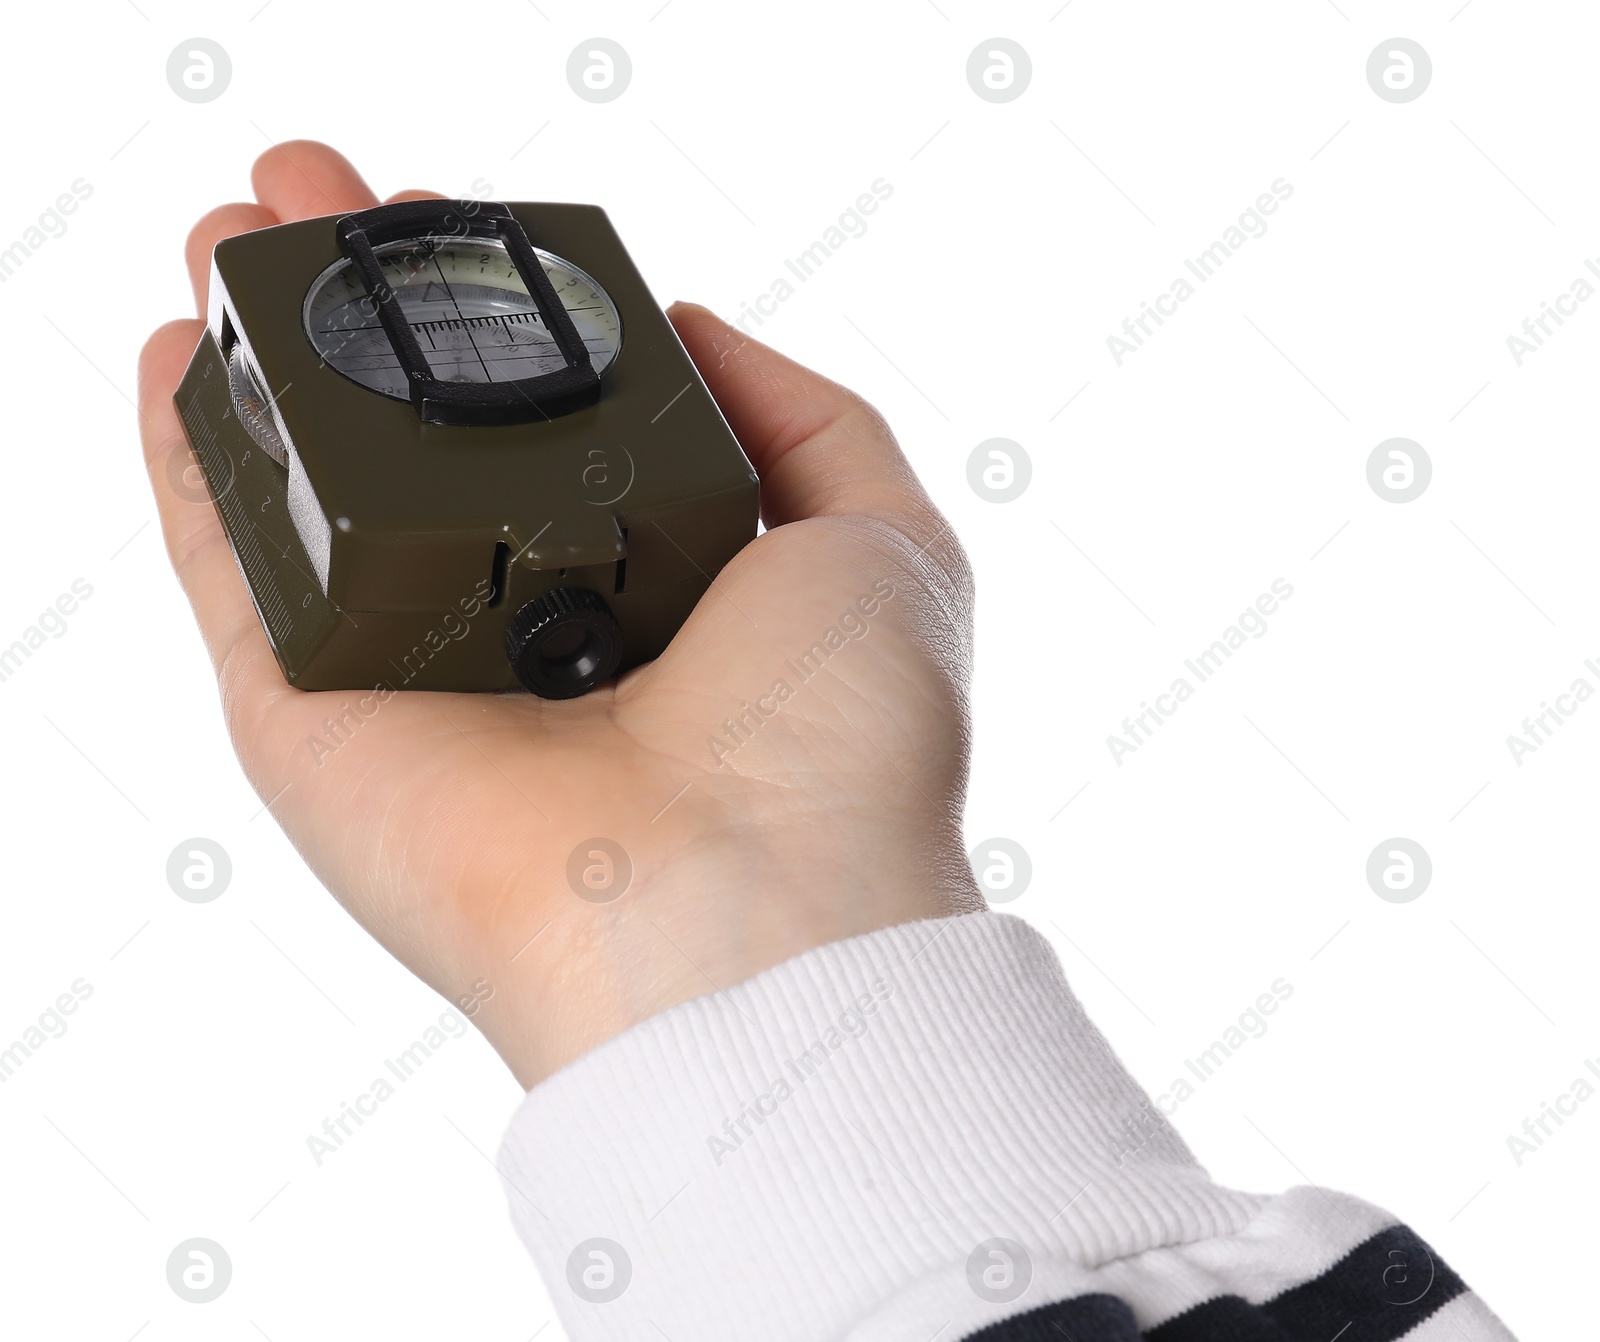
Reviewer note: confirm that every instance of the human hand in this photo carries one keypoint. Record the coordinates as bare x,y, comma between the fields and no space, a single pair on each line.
445,823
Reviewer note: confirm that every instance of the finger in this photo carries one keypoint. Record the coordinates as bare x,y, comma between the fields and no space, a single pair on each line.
818,447
301,179
196,543
222,222
413,194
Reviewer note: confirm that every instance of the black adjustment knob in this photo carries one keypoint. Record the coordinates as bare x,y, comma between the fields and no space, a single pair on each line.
564,643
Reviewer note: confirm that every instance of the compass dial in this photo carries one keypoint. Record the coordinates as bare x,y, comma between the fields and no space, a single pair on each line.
469,310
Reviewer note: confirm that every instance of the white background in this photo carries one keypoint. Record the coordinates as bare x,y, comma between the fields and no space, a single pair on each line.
1228,452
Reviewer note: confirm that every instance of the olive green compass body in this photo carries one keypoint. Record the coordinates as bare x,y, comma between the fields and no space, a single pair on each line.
456,445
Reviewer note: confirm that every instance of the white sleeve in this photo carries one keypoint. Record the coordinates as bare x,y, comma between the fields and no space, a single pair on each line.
910,1134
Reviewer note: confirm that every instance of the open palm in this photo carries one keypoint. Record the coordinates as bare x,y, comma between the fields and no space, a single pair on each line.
789,772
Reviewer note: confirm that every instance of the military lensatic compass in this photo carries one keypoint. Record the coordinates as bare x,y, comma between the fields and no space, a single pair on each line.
457,446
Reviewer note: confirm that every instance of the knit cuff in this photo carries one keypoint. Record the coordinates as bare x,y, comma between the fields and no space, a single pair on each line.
784,1157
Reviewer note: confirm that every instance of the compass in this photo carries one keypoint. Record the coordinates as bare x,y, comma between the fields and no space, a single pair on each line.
437,464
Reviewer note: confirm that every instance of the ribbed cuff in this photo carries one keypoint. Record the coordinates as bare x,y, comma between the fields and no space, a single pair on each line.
786,1157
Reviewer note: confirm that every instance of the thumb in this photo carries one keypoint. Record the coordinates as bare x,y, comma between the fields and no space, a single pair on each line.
819,448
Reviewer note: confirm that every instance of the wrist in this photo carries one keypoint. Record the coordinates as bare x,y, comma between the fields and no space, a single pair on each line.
724,908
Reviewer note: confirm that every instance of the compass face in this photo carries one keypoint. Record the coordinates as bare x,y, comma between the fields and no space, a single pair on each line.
469,310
